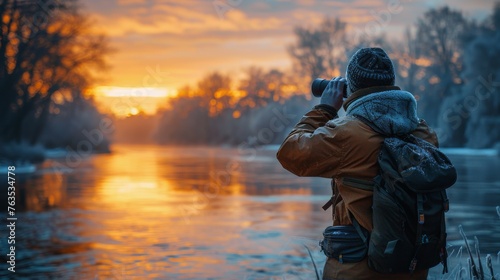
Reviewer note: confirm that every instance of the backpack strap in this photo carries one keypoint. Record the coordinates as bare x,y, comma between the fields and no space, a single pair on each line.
328,203
446,202
443,253
332,198
420,213
420,223
421,219
366,185
355,183
358,229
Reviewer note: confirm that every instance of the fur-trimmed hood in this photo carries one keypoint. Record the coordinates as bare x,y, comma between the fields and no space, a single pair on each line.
389,112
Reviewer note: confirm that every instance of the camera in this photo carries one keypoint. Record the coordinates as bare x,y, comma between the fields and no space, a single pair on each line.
319,85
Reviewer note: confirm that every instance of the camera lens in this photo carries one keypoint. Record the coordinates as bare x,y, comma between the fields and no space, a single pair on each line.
319,85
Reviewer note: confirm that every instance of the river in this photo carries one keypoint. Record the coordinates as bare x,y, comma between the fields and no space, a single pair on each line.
152,212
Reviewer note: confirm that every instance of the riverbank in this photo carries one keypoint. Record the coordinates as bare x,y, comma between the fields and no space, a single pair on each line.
26,157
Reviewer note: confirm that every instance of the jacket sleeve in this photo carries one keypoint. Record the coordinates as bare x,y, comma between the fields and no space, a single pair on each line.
313,149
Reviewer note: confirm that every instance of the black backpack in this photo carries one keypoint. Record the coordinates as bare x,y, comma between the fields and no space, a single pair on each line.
409,205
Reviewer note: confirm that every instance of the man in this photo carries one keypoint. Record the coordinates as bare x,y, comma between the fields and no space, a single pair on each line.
346,148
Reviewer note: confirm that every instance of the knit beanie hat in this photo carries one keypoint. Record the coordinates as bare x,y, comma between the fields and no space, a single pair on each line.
369,67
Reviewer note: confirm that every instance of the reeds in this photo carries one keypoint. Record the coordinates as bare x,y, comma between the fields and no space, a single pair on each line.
474,270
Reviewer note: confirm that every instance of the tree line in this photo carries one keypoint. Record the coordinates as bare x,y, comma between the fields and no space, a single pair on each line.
47,61
447,61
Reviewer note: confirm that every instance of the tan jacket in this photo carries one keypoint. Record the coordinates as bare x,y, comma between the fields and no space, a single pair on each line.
337,148
345,148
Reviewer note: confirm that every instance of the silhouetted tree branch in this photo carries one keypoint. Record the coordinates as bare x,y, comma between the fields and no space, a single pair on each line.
45,48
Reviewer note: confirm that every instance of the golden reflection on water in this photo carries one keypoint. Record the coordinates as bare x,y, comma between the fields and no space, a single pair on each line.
43,196
148,212
125,191
177,212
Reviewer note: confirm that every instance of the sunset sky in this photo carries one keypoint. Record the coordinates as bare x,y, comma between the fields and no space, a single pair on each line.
166,44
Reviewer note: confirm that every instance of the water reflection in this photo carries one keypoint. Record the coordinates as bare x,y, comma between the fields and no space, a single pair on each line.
474,198
151,212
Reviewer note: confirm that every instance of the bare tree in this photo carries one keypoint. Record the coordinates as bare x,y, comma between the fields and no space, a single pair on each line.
480,100
45,49
261,88
215,91
321,51
441,33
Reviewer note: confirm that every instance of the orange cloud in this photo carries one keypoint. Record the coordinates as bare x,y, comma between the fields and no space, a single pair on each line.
130,2
188,39
183,20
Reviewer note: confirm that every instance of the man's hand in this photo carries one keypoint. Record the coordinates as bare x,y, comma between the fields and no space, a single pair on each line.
334,93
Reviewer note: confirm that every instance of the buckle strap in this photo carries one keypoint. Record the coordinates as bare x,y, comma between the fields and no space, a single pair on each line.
328,203
420,210
366,185
332,199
